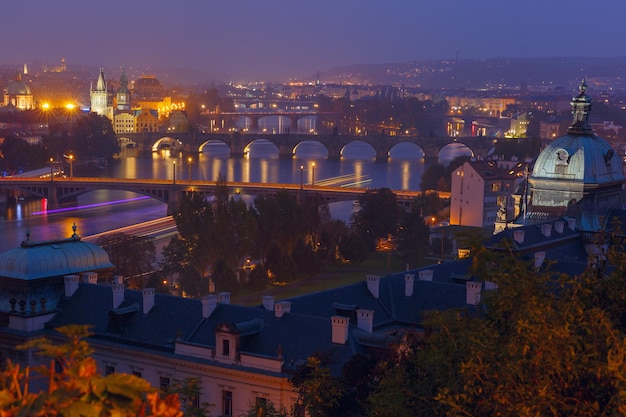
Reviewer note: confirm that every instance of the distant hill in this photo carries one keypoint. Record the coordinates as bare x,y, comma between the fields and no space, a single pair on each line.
472,74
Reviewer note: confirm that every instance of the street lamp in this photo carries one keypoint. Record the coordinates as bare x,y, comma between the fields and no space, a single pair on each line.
174,173
51,166
71,157
301,176
313,175
189,161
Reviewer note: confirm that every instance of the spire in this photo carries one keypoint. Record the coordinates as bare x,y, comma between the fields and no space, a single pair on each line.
581,105
123,82
101,84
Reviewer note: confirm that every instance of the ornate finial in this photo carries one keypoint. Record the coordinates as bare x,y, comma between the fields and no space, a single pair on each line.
74,235
581,105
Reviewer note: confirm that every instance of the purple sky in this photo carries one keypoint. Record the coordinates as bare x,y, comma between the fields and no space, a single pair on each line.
279,39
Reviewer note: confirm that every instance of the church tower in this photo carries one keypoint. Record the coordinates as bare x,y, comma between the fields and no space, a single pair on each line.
123,94
101,97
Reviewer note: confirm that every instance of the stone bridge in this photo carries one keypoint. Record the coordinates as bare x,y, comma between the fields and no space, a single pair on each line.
334,144
171,191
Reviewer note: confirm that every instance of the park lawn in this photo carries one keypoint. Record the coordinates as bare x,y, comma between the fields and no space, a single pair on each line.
378,263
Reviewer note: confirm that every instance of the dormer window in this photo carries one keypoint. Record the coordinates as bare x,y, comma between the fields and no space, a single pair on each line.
225,347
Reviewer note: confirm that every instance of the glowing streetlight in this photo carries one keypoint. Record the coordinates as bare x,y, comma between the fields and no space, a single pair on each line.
313,175
301,176
174,174
189,161
51,167
71,158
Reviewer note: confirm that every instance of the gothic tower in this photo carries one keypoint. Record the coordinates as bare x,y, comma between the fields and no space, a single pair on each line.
101,97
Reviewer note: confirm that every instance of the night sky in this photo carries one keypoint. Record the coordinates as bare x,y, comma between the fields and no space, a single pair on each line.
274,40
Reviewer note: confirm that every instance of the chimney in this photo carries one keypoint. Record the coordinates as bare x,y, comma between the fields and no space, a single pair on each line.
558,226
71,284
223,298
472,292
373,283
118,291
408,284
209,302
426,275
282,307
571,223
268,302
90,277
340,329
539,257
518,235
365,320
546,229
148,299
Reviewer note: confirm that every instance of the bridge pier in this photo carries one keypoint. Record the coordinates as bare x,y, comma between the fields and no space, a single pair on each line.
52,200
173,201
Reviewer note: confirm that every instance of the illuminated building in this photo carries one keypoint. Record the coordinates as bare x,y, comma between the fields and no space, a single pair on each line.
101,97
17,94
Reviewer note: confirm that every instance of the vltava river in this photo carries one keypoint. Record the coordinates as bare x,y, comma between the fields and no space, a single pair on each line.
104,210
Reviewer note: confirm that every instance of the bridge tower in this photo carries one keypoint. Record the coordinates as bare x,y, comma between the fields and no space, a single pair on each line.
101,97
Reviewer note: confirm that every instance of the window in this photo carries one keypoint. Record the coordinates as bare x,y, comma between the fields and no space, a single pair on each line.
260,407
225,347
108,370
164,384
227,403
137,374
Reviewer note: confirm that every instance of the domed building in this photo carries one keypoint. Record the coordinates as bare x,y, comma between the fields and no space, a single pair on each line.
577,175
148,94
32,275
18,94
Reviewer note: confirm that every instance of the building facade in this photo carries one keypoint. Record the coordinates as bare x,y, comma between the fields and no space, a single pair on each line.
480,192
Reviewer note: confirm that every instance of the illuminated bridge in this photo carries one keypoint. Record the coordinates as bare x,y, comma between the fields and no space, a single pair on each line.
171,191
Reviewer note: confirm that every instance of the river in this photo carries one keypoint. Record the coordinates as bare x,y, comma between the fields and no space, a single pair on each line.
105,210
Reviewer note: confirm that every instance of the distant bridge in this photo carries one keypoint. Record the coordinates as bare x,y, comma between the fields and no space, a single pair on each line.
287,144
171,191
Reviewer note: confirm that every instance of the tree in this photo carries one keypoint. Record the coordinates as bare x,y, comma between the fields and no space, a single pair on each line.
377,215
95,137
318,390
353,248
224,277
132,256
16,154
413,236
77,389
541,346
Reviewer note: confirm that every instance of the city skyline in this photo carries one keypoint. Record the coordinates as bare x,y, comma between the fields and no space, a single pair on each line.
249,40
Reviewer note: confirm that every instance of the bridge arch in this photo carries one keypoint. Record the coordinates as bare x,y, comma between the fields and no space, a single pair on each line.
215,147
311,148
452,150
359,145
126,142
261,145
406,150
167,142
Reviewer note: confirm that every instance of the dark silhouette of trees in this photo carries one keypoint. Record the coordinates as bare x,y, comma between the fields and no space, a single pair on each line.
93,137
132,256
16,154
377,216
